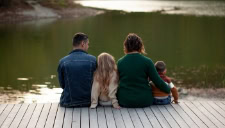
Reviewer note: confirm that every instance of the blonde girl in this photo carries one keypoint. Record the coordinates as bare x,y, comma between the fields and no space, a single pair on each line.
105,82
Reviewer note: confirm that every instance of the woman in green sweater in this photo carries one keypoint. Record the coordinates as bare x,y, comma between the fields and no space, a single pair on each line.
135,70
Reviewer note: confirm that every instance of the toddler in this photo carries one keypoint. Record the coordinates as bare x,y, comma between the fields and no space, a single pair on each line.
161,98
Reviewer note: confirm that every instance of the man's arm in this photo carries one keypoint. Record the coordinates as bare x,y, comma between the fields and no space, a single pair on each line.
61,76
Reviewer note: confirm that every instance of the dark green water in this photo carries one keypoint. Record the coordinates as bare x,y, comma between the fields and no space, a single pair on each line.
192,47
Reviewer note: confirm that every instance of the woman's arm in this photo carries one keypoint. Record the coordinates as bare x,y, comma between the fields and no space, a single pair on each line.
61,76
154,76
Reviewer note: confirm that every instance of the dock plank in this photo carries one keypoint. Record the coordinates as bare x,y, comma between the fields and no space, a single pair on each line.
68,118
118,118
101,117
126,118
11,116
76,118
85,117
163,122
144,119
52,115
26,118
19,116
35,117
220,104
5,113
59,117
43,117
217,108
135,118
109,117
176,116
168,117
192,115
2,107
214,112
208,115
200,115
93,118
152,118
184,116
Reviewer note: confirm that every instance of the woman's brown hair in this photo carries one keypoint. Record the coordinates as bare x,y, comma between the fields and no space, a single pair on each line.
104,71
133,43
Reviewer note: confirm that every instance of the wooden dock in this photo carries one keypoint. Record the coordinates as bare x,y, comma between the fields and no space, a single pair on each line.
187,114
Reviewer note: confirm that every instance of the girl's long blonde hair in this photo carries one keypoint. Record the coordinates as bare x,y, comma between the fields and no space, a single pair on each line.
104,72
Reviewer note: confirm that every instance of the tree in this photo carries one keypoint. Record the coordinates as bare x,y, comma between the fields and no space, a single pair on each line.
5,3
8,3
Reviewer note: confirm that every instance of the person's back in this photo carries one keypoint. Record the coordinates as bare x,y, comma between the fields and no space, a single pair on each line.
134,70
159,96
76,74
134,89
105,82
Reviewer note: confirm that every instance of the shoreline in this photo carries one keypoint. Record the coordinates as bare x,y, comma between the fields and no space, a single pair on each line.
37,11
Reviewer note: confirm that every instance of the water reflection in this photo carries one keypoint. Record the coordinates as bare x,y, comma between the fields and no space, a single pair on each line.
199,8
198,77
25,84
22,78
40,22
45,95
36,94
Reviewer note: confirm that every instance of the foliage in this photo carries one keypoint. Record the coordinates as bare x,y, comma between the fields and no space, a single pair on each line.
10,3
57,4
51,3
5,3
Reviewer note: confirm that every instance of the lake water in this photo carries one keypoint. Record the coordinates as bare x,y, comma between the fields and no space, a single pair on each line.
186,7
193,47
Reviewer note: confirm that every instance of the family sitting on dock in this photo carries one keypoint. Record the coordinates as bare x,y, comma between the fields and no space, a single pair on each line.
133,82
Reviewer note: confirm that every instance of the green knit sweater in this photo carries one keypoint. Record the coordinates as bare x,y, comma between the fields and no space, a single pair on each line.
134,72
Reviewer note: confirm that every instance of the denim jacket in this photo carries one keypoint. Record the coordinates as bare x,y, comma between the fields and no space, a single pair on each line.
75,74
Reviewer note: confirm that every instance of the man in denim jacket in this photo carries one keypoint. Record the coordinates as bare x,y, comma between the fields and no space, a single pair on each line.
75,72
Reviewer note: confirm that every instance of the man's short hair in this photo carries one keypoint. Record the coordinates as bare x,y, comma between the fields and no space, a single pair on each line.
160,66
78,38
